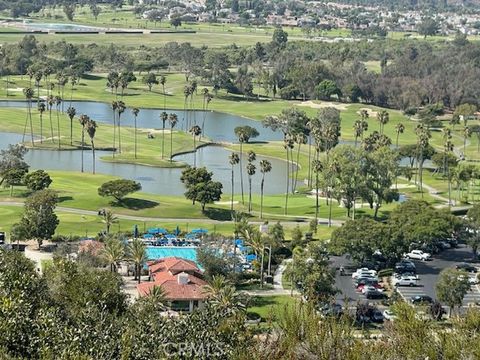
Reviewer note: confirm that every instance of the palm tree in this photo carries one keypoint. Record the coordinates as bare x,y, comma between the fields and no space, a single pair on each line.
83,119
216,286
162,81
448,147
138,255
467,132
300,138
71,112
114,110
383,117
135,112
233,160
317,168
58,101
399,129
113,253
109,219
50,102
91,129
172,119
195,131
359,128
164,118
120,109
422,142
242,137
204,107
250,171
29,93
265,167
156,298
41,110
38,77
186,92
287,145
73,82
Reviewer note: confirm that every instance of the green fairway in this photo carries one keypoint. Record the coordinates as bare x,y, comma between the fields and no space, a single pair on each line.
268,306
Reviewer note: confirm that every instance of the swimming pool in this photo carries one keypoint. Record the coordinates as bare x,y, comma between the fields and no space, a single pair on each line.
160,252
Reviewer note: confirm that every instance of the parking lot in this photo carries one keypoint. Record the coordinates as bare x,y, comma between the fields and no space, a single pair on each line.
427,272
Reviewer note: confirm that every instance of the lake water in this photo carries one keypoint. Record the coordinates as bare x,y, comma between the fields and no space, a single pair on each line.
155,180
218,126
56,27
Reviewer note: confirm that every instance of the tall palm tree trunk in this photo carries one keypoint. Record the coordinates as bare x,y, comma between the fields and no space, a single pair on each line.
119,135
83,146
163,140
93,157
317,204
233,189
241,171
114,133
135,136
31,122
261,195
41,128
296,172
194,151
288,184
249,194
171,143
309,180
58,129
51,124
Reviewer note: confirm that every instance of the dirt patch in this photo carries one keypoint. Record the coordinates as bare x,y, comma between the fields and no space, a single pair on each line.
323,104
370,112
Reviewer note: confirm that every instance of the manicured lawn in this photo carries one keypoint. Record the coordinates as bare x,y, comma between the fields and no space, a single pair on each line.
268,306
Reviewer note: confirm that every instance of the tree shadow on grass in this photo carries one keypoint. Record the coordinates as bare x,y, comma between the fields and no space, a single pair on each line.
64,198
136,204
218,214
91,77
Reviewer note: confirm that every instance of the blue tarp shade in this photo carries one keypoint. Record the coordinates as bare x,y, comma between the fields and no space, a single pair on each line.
157,231
199,231
190,236
148,236
251,257
170,236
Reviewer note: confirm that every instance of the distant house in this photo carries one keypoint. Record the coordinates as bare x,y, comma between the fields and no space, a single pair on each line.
181,280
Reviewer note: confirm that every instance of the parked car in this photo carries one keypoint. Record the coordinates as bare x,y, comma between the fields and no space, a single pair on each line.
374,294
367,288
405,267
404,281
389,315
366,280
376,285
418,255
331,310
421,299
377,316
445,245
466,267
363,272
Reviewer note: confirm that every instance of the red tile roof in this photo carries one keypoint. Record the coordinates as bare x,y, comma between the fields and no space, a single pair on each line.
165,274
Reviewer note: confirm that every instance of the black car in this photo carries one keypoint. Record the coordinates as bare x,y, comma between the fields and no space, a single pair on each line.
377,316
332,310
421,299
365,281
466,267
402,268
375,294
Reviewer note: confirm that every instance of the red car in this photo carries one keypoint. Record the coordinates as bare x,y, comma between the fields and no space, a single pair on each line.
375,285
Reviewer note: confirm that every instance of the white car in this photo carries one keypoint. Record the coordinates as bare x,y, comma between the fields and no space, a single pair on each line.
418,255
364,272
389,315
405,281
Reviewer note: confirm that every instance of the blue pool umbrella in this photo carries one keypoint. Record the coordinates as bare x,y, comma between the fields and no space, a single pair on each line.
239,242
157,231
251,257
199,231
148,236
170,236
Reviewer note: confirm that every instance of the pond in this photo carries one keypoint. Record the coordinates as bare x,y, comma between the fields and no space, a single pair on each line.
56,27
154,180
218,126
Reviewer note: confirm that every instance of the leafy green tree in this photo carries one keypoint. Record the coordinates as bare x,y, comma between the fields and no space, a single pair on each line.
69,10
277,233
176,22
279,38
39,220
452,286
150,79
326,89
212,262
428,27
37,180
118,189
207,193
14,177
95,10
473,219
